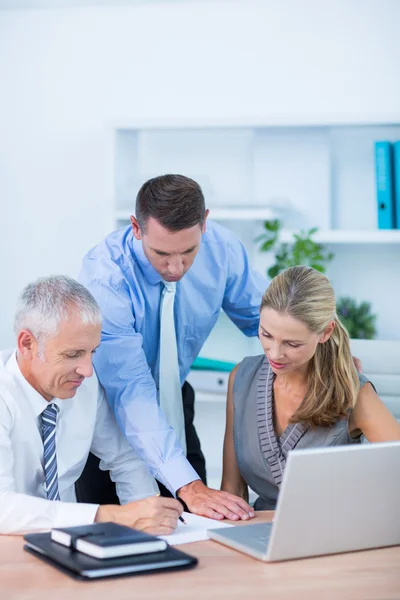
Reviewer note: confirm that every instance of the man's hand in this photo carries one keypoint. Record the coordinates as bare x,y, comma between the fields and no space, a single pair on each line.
154,515
214,504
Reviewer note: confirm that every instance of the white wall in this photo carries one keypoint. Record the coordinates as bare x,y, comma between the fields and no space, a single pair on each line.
67,75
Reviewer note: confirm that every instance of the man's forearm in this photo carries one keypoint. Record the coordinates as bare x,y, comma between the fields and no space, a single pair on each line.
22,512
177,473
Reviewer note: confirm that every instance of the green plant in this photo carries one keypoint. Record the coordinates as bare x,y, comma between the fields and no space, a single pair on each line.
302,251
358,320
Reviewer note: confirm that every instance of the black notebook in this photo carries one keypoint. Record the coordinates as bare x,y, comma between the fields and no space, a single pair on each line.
107,540
82,566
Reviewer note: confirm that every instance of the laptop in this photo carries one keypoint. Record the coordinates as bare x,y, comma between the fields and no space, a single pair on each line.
335,499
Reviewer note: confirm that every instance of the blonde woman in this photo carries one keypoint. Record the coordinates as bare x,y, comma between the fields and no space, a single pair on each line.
303,392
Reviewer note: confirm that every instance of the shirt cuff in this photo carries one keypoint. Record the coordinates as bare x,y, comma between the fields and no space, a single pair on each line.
176,473
71,514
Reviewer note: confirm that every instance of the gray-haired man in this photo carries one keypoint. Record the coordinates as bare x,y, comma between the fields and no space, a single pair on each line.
53,412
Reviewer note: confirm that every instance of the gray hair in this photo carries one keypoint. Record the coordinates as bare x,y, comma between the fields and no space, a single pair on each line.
46,302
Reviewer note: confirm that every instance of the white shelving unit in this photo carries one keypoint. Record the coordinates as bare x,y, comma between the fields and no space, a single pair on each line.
315,173
308,174
350,236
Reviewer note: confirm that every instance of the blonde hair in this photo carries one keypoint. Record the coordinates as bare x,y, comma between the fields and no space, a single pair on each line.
333,385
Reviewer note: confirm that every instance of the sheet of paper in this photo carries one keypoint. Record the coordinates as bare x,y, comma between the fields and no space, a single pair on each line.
195,529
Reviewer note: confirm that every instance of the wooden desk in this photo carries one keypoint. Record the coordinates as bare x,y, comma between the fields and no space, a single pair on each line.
221,573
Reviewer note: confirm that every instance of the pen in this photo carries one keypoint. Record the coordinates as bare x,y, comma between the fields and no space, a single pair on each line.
182,520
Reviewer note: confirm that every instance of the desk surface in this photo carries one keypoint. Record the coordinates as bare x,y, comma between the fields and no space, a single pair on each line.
221,573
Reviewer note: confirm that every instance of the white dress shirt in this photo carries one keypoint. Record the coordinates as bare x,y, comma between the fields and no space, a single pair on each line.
84,423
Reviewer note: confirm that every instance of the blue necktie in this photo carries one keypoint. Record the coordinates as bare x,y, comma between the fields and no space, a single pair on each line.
49,421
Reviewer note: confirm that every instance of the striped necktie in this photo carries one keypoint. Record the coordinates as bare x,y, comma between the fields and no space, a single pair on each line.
49,421
169,379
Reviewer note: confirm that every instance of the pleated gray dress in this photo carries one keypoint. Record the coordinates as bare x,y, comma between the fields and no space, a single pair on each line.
260,455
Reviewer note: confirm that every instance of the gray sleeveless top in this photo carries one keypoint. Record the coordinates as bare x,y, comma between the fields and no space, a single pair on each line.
260,455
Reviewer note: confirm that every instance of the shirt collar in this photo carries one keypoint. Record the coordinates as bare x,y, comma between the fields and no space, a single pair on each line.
147,268
35,399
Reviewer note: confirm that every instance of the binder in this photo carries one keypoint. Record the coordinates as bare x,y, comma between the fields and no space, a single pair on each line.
384,185
396,169
107,540
82,566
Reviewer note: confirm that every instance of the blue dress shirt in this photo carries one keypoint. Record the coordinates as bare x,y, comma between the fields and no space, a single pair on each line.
128,290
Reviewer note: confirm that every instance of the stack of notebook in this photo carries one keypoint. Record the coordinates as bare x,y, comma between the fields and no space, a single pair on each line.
105,550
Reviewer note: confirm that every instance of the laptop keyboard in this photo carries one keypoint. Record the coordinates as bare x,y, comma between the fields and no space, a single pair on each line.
264,539
264,536
253,537
256,536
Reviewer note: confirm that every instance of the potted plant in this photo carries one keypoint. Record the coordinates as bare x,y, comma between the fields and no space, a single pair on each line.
302,251
358,319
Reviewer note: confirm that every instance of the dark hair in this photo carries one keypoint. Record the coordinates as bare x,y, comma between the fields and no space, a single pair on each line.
175,201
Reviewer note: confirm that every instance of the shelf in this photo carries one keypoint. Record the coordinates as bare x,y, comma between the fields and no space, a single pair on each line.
242,214
350,236
327,236
270,121
231,213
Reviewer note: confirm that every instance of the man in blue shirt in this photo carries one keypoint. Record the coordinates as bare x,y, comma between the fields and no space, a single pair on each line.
170,240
